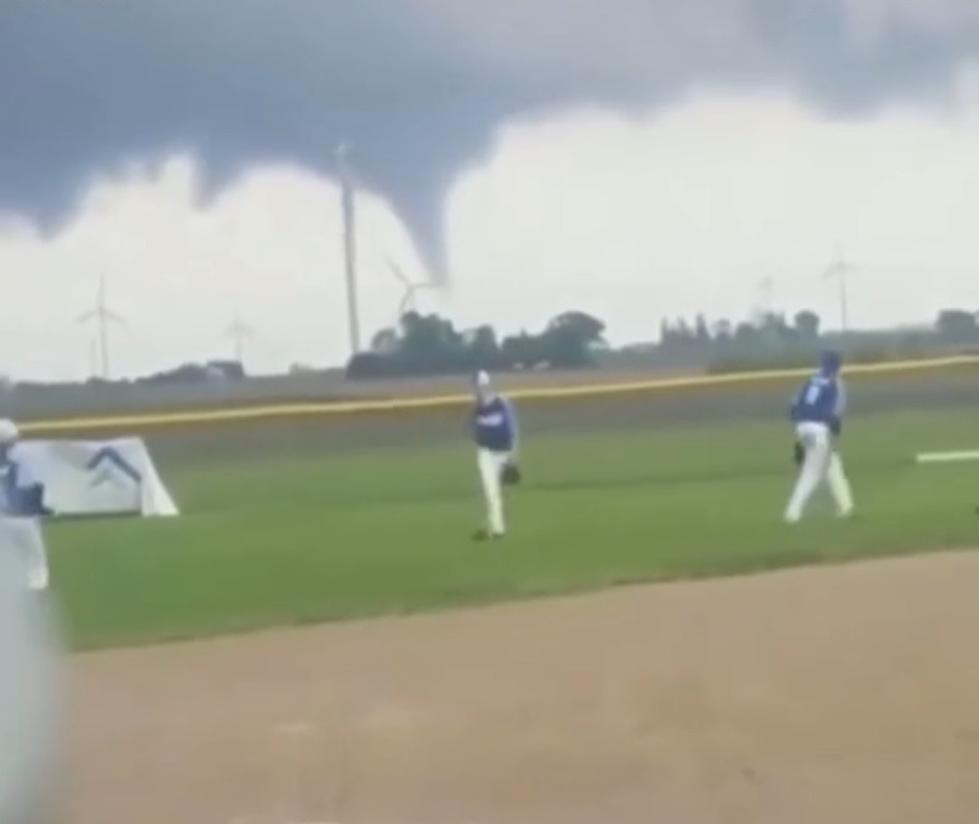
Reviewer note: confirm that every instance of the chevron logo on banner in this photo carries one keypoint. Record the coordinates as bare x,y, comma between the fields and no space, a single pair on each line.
111,456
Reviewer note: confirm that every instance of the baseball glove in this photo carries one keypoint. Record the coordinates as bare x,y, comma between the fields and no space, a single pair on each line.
511,475
798,453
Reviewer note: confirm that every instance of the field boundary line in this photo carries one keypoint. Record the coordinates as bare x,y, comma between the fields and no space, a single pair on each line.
328,408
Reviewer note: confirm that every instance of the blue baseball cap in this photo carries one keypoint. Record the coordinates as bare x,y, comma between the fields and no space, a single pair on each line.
830,362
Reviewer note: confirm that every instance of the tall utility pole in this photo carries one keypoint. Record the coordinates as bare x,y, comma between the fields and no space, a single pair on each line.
839,269
347,193
239,332
103,316
766,287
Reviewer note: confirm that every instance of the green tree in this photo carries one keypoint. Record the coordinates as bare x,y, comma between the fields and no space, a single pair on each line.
484,350
957,326
807,324
746,334
521,351
385,342
723,331
701,332
571,338
582,325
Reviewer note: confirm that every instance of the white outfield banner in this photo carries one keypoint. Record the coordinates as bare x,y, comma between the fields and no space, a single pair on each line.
94,477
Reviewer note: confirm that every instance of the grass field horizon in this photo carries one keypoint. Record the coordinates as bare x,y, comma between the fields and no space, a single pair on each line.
301,538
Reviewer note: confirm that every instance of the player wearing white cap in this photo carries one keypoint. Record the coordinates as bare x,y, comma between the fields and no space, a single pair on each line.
495,435
21,532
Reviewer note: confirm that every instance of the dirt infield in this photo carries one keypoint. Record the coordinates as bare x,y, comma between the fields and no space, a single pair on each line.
842,694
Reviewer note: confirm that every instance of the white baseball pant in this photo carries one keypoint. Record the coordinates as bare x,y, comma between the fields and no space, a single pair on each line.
822,464
490,471
23,536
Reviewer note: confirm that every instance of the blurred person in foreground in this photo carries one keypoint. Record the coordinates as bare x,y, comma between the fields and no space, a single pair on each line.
30,694
817,415
19,510
495,434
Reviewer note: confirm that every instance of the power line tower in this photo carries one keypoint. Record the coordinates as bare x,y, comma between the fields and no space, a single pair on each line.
348,206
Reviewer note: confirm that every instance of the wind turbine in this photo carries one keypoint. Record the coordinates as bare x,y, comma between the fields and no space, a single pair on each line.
103,317
408,299
240,332
839,269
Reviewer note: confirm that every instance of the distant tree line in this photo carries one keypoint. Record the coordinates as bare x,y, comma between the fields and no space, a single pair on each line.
771,339
430,344
770,330
215,370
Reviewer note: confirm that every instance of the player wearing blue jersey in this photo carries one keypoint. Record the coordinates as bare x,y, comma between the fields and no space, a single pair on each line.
817,415
494,428
20,527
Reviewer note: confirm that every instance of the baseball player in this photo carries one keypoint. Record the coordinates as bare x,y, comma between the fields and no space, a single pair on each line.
817,414
30,718
495,434
20,531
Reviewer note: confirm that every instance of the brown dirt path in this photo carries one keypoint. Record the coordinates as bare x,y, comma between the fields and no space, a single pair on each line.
847,694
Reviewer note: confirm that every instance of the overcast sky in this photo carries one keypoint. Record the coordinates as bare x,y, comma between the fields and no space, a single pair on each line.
634,158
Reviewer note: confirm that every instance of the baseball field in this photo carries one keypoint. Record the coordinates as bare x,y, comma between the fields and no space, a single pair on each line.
704,702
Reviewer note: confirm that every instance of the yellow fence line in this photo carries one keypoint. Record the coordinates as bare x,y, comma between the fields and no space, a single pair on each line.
325,408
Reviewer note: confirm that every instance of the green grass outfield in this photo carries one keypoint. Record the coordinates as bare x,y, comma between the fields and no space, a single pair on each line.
283,541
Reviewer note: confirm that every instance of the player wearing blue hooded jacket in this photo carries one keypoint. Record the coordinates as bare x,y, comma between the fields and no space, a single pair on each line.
817,414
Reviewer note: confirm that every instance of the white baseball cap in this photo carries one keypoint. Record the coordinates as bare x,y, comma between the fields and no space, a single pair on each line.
8,431
482,379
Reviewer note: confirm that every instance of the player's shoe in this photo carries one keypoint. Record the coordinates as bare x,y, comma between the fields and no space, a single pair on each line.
483,535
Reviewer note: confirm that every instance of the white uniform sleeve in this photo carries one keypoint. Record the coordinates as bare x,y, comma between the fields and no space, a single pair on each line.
840,409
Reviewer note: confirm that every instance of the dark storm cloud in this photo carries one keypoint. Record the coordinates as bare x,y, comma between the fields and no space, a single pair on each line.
417,86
